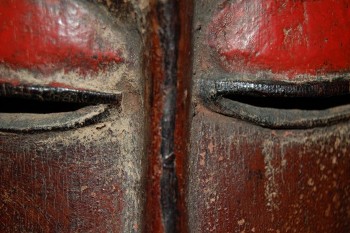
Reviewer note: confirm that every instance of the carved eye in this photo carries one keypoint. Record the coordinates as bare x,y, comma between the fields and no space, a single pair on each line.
280,104
49,39
37,108
281,40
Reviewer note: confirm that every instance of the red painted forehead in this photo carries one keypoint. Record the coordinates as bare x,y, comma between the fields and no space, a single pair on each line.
289,37
51,35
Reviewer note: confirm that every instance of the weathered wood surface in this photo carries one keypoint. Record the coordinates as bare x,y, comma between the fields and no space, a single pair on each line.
168,66
145,164
244,178
84,178
243,175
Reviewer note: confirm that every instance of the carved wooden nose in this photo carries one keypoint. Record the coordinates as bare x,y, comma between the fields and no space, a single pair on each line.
289,37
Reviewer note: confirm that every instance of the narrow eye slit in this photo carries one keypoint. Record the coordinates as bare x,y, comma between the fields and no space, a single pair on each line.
279,104
17,105
37,108
287,103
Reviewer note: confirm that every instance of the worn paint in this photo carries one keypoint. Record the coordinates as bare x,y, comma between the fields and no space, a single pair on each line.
277,104
289,37
183,108
51,189
167,69
47,36
83,180
87,177
243,177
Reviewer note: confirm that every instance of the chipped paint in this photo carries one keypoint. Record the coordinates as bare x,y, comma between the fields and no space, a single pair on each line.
289,37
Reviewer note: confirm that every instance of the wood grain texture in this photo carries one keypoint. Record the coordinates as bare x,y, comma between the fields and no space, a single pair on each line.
243,177
248,179
82,179
87,179
168,69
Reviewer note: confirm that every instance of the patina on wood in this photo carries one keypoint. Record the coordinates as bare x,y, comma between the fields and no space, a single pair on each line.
79,165
168,68
112,151
266,153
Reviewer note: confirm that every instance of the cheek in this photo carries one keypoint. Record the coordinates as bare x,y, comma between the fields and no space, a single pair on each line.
289,37
48,36
246,177
60,186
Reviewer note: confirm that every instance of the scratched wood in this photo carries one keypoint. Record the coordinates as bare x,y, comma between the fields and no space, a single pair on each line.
248,179
131,170
85,178
168,67
244,176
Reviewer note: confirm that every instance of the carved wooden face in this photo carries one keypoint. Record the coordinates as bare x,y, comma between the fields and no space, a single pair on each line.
71,118
95,97
270,142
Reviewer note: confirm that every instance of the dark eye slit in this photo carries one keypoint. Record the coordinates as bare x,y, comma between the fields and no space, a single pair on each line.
41,100
35,109
280,104
17,105
302,103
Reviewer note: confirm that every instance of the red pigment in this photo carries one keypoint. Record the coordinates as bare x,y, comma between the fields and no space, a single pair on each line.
47,36
289,37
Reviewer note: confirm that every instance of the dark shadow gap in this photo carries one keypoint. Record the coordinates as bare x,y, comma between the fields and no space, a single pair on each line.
301,103
18,105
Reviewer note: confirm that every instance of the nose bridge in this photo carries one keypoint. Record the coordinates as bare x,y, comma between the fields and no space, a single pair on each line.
168,69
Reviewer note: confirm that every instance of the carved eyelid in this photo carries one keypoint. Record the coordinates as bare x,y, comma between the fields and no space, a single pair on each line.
51,108
279,105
